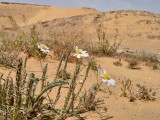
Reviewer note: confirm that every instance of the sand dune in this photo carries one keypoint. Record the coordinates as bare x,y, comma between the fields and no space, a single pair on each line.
56,12
34,13
138,30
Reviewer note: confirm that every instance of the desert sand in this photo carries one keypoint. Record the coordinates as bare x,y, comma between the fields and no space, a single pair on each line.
134,31
139,30
35,13
118,107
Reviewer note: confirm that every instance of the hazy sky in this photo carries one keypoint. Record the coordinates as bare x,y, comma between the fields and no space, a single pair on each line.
102,5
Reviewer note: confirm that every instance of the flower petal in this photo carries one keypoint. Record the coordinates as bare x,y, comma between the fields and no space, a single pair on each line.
112,82
104,80
84,51
85,55
42,50
101,71
104,71
109,84
78,55
47,48
47,51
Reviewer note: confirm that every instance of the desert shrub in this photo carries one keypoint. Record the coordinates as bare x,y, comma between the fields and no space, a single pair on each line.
133,62
61,48
145,93
135,59
22,42
151,60
127,90
118,63
9,60
18,100
88,102
104,45
141,93
154,65
153,36
13,23
62,38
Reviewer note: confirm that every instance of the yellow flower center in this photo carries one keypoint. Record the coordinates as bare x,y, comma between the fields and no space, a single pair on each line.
78,52
106,76
43,47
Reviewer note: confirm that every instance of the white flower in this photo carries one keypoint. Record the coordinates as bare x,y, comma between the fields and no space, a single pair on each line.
80,53
106,78
43,48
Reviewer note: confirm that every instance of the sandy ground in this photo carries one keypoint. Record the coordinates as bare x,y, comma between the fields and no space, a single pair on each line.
34,14
118,108
55,12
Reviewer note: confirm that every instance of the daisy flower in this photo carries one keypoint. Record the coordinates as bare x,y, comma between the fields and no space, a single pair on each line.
106,78
43,48
80,53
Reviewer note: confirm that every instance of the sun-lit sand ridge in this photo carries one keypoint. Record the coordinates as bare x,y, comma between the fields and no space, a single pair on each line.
35,13
137,29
